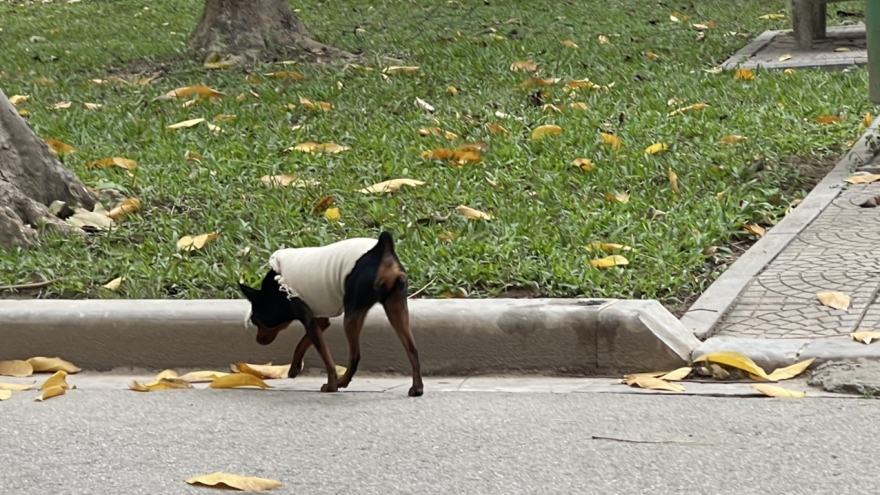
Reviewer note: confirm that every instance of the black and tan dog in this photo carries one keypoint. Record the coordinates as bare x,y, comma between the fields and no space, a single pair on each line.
313,284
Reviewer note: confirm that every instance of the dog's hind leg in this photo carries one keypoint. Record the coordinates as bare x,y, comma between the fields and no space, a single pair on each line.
299,353
398,315
353,322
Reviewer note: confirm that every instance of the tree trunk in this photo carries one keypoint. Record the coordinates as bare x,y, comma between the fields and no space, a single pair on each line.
31,178
245,31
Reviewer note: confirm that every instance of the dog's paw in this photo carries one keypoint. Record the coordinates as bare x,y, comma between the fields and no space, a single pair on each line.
416,391
292,373
328,388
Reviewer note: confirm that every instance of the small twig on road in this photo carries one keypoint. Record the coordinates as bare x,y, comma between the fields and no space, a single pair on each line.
625,440
34,285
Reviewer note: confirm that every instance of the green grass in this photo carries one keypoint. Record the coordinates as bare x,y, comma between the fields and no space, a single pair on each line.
545,209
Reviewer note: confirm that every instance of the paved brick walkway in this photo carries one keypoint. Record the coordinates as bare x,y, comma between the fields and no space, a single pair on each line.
838,251
778,50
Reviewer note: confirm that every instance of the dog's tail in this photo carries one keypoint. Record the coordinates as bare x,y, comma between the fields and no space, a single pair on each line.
390,270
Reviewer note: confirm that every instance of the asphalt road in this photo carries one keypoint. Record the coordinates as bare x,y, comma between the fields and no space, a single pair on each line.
103,441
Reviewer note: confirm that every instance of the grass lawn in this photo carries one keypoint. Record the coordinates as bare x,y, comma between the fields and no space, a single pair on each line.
545,209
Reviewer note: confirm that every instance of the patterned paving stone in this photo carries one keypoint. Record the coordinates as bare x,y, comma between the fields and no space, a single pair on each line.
838,251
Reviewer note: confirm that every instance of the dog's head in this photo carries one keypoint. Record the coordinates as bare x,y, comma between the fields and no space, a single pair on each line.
271,310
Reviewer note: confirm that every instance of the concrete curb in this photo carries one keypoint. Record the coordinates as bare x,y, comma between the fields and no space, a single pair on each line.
777,353
703,316
454,336
743,57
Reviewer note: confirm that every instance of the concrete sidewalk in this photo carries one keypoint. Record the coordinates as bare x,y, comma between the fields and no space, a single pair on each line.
765,305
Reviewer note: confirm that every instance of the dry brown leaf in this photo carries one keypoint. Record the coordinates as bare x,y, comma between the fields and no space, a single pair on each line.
865,337
754,229
234,481
526,65
863,179
56,146
186,123
543,131
16,368
238,380
391,185
5,394
497,129
834,299
652,383
687,109
189,243
51,392
537,82
610,139
50,365
283,74
127,207
59,379
652,55
116,161
777,392
322,204
829,119
16,387
735,360
678,374
609,261
202,91
731,139
114,284
472,213
790,371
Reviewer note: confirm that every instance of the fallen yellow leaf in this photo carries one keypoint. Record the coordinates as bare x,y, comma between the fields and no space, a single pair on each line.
56,146
283,74
570,44
578,105
688,109
731,139
829,119
202,91
189,243
5,394
788,71
543,131
167,374
744,74
313,147
537,82
127,207
16,387
621,197
61,105
610,139
238,380
51,392
526,65
286,180
652,55
790,371
116,161
16,368
49,365
397,69
23,112
59,379
391,185
785,57
265,371
114,284
865,337
472,213
165,383
754,229
656,148
583,163
867,119
92,106
332,214
863,179
777,392
497,129
138,387
608,246
651,383
678,374
186,123
834,299
16,99
735,360
452,90
323,105
234,481
202,376
609,261
673,180
603,40
773,17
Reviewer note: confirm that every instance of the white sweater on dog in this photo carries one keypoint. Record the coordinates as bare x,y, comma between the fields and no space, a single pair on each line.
317,274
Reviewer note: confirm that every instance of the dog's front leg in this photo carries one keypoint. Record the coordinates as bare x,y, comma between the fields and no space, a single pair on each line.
317,338
353,322
299,353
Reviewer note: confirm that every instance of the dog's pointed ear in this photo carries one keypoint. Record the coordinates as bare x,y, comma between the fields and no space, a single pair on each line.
249,292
